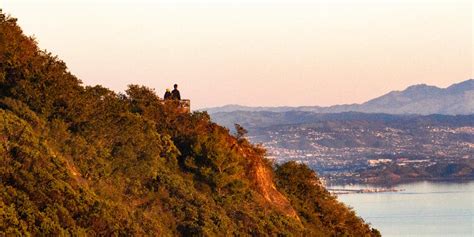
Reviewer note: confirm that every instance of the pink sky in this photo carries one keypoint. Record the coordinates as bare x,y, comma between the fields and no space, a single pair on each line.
260,52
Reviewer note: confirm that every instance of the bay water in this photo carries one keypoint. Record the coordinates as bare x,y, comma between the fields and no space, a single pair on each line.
420,209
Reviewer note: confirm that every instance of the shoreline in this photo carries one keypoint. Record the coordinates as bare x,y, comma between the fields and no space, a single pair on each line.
339,191
388,185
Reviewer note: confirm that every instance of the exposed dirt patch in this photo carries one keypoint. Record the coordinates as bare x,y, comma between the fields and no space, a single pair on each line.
266,187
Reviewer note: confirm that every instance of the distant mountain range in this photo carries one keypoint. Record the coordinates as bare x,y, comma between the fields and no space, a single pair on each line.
457,99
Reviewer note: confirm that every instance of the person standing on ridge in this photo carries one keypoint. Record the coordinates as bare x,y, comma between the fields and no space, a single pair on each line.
167,95
175,93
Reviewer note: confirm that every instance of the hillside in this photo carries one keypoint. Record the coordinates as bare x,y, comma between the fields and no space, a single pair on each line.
263,119
423,99
84,160
457,99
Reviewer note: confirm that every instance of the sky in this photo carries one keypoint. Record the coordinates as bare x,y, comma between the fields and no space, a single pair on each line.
257,52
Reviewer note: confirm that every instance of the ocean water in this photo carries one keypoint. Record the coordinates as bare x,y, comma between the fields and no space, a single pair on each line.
422,209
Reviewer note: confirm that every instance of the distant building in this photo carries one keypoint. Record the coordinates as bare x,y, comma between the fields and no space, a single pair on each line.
379,161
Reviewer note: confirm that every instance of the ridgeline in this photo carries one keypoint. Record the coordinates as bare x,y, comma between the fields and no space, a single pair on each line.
84,160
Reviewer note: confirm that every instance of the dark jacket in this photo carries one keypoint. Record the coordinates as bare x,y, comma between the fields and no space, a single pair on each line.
175,95
167,95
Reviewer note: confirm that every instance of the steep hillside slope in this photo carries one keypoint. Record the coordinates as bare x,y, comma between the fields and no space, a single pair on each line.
82,160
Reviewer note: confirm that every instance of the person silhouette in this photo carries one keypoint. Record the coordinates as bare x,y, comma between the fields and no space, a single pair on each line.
175,93
167,95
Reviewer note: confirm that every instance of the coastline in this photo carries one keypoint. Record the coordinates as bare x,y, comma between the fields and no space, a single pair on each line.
391,184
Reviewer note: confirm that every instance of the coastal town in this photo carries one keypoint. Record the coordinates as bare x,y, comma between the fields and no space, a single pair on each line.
342,152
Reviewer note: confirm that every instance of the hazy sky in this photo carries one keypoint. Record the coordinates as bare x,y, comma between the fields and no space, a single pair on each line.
257,52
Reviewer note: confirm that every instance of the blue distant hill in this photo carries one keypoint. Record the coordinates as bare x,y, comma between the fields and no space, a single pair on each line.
457,99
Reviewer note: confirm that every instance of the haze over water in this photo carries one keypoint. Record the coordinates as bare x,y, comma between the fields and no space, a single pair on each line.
423,209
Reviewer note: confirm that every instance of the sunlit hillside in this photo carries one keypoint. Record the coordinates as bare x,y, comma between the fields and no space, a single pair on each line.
85,160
